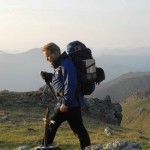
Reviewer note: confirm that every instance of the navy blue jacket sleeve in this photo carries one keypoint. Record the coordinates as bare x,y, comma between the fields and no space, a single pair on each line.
70,82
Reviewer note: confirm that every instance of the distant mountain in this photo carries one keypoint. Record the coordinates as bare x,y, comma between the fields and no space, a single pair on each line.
119,61
141,50
134,51
20,72
116,65
124,86
2,52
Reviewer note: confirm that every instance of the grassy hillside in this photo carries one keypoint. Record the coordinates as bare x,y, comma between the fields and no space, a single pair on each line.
24,125
136,114
122,87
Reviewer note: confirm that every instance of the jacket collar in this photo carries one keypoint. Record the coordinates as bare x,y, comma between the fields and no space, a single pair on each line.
59,60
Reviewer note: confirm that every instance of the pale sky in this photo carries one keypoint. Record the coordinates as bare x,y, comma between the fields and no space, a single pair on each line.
100,24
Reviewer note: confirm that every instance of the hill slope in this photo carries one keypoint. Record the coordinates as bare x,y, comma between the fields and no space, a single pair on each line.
25,126
121,88
136,111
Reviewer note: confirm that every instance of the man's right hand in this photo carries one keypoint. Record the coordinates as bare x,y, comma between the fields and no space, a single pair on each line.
46,76
43,74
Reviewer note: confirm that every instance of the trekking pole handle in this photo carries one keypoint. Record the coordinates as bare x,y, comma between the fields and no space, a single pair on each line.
49,85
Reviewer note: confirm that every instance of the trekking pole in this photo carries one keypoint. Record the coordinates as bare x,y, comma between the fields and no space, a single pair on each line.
46,126
52,90
45,145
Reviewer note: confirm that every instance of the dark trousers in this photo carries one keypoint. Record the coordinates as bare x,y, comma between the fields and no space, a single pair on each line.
74,118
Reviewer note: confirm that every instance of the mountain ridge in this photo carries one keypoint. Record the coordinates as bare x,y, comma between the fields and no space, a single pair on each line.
124,86
2,52
19,70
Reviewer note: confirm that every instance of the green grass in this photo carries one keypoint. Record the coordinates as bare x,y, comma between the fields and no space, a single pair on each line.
136,114
25,126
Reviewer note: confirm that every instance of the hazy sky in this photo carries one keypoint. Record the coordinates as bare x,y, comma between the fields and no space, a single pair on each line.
100,24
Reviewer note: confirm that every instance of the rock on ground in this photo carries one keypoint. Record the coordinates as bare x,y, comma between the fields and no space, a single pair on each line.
104,110
50,147
3,118
108,131
24,147
46,96
118,145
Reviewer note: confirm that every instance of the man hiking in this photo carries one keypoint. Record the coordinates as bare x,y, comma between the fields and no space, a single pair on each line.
64,82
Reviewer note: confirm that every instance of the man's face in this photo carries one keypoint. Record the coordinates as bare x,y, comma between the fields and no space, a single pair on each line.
50,56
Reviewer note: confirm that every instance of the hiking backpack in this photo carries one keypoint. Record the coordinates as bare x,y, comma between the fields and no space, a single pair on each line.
87,73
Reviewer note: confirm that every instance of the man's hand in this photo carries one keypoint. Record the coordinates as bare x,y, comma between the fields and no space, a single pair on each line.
43,74
46,76
63,108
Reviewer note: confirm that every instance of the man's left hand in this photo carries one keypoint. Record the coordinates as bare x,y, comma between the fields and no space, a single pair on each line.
63,108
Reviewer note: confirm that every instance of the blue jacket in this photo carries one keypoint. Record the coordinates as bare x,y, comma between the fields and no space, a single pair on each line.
65,79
